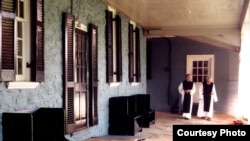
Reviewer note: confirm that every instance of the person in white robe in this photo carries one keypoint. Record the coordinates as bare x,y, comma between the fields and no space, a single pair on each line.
187,89
207,97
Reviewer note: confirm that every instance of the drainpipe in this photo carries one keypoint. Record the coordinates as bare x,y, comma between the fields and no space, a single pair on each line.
169,70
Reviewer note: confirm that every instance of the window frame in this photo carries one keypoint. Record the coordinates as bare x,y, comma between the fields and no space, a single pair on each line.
190,58
134,54
8,45
70,84
26,42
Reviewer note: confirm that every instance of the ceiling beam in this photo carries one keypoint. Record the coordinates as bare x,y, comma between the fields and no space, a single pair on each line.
224,37
214,42
229,39
191,31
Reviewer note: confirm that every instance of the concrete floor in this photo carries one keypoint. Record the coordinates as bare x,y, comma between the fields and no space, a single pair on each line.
163,127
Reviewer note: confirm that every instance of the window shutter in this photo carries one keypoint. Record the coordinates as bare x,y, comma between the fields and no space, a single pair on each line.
93,54
131,54
7,40
119,47
109,46
37,40
138,57
69,31
39,65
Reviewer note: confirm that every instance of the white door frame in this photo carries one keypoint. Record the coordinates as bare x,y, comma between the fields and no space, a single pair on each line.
189,69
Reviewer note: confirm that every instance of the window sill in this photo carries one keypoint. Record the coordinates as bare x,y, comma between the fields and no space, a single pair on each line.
135,84
22,85
114,84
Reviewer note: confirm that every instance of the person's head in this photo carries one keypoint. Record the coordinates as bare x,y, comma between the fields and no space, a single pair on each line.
208,79
189,77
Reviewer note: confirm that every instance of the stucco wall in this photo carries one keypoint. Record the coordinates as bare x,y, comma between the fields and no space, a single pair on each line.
50,92
164,98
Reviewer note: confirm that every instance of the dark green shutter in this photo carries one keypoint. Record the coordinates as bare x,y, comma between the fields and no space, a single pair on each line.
7,40
130,54
40,41
69,31
118,48
109,46
138,56
37,40
93,72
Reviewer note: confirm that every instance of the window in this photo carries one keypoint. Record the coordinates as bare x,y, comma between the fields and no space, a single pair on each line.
80,69
113,48
22,36
22,47
200,70
134,54
200,66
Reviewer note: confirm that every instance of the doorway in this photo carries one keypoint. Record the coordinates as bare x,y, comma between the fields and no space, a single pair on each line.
200,66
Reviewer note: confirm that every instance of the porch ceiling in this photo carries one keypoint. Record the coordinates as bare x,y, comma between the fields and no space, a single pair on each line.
216,22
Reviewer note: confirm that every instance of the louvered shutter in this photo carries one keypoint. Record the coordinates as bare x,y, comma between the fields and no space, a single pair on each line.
40,41
69,31
131,53
37,40
138,57
119,48
7,40
93,54
109,46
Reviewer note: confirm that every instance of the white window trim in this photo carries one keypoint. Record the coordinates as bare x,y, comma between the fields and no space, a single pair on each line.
23,81
190,59
81,26
112,10
114,84
22,85
26,43
114,52
135,83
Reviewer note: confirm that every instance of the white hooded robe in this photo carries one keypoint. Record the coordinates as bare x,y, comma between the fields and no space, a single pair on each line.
214,98
181,91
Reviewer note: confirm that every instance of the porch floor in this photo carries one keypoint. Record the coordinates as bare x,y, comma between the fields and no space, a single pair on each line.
161,130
